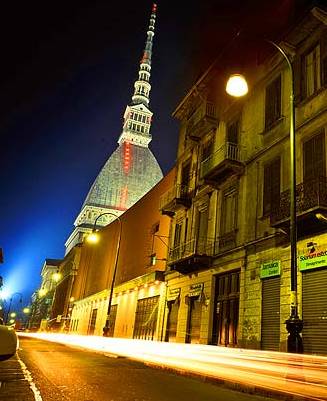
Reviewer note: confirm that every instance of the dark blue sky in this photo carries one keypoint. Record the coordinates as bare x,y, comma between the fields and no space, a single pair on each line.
67,74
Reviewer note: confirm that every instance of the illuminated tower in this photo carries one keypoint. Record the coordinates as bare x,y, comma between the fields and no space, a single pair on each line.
132,170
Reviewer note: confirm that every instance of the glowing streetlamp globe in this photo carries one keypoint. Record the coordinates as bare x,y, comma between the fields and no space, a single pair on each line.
237,86
93,238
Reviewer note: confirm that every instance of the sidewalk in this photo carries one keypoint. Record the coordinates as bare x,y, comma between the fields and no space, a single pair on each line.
13,384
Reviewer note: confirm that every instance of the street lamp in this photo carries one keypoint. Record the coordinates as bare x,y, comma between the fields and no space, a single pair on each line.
294,324
93,238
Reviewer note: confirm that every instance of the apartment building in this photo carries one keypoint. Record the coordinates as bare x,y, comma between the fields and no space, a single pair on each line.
228,277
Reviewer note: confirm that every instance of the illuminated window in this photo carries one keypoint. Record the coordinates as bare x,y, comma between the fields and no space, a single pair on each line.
271,185
273,102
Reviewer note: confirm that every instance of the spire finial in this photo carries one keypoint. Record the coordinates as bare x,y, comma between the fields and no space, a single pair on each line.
142,85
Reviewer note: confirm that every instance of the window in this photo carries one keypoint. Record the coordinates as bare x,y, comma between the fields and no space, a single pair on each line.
202,230
271,185
314,163
207,149
273,102
311,74
177,236
232,132
229,210
146,318
185,177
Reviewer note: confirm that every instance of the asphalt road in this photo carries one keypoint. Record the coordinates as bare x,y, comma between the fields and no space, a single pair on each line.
60,372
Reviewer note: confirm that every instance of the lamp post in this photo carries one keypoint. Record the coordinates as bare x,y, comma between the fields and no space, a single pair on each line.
93,238
294,324
10,302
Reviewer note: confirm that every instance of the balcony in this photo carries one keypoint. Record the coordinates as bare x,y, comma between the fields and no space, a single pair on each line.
177,197
224,163
202,121
191,256
311,198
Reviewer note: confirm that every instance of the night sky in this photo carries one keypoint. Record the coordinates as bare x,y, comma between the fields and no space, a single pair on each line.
67,74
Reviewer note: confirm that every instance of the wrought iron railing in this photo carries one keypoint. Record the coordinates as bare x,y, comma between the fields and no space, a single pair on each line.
310,195
206,111
228,151
196,246
175,192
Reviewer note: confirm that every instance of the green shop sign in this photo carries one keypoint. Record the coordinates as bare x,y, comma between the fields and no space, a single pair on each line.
313,260
270,269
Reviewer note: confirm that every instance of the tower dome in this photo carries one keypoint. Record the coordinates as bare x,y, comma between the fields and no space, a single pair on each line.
131,170
129,173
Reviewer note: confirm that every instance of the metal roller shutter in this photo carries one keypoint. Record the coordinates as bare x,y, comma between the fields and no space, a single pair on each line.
314,311
172,321
270,318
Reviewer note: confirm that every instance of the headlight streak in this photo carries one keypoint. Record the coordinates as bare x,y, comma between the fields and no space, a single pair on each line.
301,375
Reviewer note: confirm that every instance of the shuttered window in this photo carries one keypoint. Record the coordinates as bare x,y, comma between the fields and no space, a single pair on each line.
273,102
232,132
146,318
314,157
193,320
270,320
229,210
314,311
271,185
171,330
92,322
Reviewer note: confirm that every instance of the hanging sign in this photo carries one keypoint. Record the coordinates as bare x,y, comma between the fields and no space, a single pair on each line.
313,260
270,269
195,290
173,294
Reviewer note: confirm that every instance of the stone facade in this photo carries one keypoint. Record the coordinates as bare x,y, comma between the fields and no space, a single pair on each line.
230,205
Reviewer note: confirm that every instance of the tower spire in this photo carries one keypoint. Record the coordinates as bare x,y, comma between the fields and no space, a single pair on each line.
138,116
142,86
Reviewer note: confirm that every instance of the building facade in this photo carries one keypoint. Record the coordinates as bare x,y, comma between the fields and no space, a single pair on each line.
137,305
228,275
42,299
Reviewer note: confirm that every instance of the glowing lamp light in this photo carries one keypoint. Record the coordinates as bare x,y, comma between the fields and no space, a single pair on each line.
56,277
43,292
13,314
26,310
93,238
237,86
12,321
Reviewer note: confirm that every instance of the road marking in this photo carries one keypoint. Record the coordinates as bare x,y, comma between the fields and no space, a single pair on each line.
29,378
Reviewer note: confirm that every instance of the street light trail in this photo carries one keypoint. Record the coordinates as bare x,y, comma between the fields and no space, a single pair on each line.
299,375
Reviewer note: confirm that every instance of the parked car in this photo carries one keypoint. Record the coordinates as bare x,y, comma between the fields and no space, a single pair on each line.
8,342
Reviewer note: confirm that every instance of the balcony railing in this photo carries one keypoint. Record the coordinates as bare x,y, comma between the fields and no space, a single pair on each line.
224,163
311,196
203,119
194,247
175,197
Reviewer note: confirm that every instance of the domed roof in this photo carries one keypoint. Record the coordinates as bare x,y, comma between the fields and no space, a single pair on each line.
129,173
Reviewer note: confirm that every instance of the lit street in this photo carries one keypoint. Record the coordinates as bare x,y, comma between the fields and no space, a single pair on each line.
255,371
65,373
